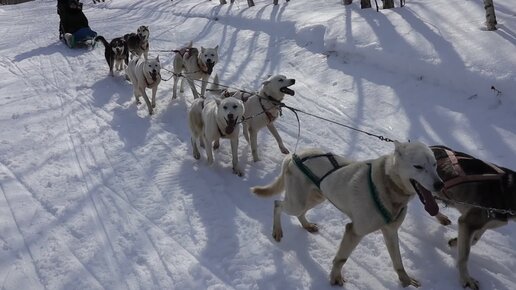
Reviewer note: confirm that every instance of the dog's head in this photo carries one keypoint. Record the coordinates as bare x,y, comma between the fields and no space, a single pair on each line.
230,110
153,68
209,57
143,32
118,46
417,167
277,86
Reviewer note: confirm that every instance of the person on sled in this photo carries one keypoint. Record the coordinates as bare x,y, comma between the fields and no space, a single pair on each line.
73,26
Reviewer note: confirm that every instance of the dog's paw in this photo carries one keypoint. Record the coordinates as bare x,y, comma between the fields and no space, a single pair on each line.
452,242
443,220
336,279
469,282
312,228
277,234
216,144
197,155
238,172
408,281
284,150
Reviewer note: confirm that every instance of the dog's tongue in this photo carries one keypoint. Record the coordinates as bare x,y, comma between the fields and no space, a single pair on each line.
209,67
230,127
427,199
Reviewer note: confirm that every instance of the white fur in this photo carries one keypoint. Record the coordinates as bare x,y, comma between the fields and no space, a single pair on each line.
207,119
348,189
255,116
194,65
140,73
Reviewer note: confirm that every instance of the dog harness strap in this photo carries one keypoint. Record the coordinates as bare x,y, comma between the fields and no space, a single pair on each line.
306,170
317,181
460,177
374,194
267,113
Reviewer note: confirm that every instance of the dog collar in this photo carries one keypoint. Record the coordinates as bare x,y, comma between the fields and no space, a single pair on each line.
275,103
374,195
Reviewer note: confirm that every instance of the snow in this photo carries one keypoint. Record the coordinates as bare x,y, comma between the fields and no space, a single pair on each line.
95,194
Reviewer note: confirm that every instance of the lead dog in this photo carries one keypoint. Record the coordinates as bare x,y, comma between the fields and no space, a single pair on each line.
313,176
115,52
210,120
486,185
138,43
144,74
194,65
262,109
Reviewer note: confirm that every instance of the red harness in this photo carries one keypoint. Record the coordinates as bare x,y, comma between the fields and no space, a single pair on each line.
444,155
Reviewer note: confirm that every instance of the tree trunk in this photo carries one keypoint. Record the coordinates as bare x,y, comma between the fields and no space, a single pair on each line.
365,4
490,15
347,2
223,2
250,3
275,2
388,4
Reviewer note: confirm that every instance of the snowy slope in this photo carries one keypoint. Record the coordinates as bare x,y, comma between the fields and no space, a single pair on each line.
95,194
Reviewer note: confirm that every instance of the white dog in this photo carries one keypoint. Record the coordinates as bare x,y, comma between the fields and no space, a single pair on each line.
194,66
262,109
373,194
210,120
144,74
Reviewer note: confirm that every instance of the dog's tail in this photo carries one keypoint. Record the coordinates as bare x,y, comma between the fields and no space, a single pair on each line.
101,38
277,186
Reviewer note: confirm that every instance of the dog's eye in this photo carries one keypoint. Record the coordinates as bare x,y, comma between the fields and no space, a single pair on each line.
225,107
234,106
280,80
418,167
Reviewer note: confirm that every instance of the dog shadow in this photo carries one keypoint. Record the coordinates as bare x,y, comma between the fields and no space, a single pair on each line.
131,128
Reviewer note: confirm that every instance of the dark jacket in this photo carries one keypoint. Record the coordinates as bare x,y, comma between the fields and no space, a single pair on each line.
72,20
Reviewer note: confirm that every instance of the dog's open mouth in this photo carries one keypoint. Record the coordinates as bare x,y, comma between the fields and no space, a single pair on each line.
154,75
426,198
231,124
287,90
209,67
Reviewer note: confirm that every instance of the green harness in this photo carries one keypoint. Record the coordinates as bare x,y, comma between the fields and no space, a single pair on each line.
317,181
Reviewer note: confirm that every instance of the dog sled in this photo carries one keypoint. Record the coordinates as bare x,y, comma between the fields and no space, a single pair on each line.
74,29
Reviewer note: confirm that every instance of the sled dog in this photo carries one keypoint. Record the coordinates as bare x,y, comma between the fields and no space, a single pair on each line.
144,74
262,109
212,119
115,52
472,186
138,43
194,65
373,194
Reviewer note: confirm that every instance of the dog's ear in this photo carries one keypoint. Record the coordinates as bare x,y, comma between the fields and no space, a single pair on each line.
157,58
217,47
265,82
202,49
217,101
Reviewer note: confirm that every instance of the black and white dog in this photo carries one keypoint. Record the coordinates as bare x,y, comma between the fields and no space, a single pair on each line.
116,53
138,43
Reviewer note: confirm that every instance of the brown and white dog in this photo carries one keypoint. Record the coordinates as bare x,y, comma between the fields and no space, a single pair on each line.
192,64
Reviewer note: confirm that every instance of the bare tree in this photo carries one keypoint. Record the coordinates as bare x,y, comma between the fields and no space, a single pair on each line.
490,15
